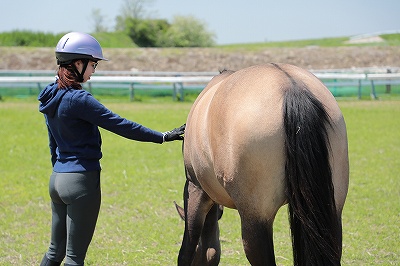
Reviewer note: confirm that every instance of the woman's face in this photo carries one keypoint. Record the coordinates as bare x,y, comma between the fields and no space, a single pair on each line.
91,68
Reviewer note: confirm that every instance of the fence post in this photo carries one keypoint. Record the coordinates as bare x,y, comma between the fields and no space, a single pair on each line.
181,91
373,93
174,91
131,92
388,86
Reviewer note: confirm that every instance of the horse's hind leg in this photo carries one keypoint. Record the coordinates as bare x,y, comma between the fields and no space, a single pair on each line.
196,205
209,249
258,242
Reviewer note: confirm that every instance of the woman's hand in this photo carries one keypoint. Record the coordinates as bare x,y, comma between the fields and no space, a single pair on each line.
175,134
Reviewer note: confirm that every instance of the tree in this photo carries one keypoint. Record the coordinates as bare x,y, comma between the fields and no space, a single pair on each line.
187,31
131,9
98,20
146,32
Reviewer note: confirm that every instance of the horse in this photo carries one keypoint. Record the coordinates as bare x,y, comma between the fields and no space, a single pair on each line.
257,139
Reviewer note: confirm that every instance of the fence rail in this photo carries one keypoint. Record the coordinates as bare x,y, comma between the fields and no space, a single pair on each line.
179,80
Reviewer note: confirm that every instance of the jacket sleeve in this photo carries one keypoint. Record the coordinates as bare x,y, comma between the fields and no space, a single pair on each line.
94,112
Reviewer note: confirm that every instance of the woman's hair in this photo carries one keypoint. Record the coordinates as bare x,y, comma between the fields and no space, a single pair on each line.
67,77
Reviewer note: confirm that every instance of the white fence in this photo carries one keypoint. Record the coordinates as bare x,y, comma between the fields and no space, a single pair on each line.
180,80
176,81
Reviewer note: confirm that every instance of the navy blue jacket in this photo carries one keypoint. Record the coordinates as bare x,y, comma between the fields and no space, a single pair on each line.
73,117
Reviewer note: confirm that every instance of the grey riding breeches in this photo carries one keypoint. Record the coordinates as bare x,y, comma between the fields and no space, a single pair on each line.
75,205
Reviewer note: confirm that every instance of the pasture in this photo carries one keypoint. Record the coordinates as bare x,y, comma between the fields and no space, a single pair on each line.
138,223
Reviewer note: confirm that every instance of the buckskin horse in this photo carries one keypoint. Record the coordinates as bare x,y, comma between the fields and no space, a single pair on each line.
255,140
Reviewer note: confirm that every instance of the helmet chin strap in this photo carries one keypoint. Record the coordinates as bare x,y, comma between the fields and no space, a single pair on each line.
80,75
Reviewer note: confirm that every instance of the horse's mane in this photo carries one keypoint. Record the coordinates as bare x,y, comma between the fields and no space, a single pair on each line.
226,71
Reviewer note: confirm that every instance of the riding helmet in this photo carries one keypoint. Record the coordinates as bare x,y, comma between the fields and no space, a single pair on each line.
77,45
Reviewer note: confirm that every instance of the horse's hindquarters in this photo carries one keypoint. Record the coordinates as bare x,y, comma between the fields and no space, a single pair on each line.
236,143
259,138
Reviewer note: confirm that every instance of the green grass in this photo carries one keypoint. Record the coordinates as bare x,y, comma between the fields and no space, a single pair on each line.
371,216
114,40
138,224
122,40
25,38
325,42
389,40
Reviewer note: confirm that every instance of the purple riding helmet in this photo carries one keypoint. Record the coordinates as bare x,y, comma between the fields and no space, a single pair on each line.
77,45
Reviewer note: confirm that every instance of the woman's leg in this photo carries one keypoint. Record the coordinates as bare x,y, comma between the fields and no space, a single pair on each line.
81,223
84,198
56,251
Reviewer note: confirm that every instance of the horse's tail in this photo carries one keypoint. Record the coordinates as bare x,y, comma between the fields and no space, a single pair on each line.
313,218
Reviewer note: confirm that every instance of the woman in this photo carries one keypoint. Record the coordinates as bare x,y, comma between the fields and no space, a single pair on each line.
72,117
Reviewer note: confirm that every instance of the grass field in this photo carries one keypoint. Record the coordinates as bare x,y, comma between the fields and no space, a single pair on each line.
122,40
138,224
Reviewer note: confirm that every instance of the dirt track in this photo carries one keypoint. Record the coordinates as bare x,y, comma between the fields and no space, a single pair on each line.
211,59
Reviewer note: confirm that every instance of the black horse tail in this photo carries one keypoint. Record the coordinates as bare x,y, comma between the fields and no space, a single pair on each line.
314,223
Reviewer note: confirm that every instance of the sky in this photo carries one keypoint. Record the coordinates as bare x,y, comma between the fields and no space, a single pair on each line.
232,21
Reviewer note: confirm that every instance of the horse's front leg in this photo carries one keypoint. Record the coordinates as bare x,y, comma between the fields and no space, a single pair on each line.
196,206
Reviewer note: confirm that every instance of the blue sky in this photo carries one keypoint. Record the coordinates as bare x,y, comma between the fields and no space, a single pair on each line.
232,21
